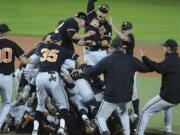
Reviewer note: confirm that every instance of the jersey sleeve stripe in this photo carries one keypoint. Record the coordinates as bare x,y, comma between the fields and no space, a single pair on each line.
107,36
21,56
71,30
91,12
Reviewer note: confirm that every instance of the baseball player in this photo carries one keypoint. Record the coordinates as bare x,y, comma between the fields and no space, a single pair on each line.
80,93
169,93
119,70
128,39
48,82
8,51
68,30
96,49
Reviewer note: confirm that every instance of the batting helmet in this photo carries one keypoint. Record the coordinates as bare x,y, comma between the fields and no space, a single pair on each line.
81,15
170,43
126,25
103,8
4,28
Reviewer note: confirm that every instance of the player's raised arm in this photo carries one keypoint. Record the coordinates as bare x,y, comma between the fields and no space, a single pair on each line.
91,6
119,33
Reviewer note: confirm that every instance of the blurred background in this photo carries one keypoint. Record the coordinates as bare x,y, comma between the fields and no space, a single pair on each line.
153,20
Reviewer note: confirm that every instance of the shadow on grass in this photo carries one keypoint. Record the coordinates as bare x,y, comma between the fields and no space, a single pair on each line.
156,132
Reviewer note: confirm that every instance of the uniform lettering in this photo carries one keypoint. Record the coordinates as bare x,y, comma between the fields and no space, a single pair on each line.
95,23
6,55
49,55
102,30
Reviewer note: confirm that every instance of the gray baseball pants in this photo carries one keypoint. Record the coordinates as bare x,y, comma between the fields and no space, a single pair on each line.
153,106
106,109
6,90
47,83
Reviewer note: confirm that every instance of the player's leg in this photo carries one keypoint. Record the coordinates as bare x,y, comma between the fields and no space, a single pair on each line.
95,56
87,56
83,112
99,96
123,114
105,110
78,102
98,55
154,105
168,120
18,73
135,98
84,90
59,95
41,80
6,89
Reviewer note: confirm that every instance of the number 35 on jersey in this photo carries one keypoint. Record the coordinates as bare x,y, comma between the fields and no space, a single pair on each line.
49,55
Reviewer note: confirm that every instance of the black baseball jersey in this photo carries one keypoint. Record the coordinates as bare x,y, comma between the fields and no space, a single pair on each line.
103,29
118,69
66,30
170,70
8,51
52,56
130,44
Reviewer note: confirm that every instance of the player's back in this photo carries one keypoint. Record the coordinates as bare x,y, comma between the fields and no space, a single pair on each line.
8,51
52,56
64,31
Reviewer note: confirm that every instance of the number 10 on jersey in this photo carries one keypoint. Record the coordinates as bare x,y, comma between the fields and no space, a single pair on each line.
6,55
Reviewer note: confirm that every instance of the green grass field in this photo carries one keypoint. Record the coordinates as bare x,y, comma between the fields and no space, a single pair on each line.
153,20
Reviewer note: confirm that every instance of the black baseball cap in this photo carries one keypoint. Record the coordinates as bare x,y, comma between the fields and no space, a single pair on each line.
115,43
170,43
81,15
126,25
4,28
103,8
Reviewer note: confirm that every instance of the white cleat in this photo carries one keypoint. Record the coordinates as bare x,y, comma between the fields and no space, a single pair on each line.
61,131
34,132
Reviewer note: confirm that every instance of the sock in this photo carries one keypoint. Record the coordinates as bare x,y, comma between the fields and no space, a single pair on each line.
37,119
135,104
83,114
62,118
62,123
36,125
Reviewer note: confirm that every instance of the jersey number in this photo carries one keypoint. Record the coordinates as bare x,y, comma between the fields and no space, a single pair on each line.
49,55
6,55
95,23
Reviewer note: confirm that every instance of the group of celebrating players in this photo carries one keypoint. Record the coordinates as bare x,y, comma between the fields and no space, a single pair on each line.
58,95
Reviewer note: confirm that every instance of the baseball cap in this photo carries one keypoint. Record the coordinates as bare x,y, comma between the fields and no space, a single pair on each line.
126,25
4,28
81,15
170,43
117,42
104,8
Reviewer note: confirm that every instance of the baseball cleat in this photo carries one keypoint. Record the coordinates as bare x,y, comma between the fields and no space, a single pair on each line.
106,133
167,133
89,129
61,131
34,132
